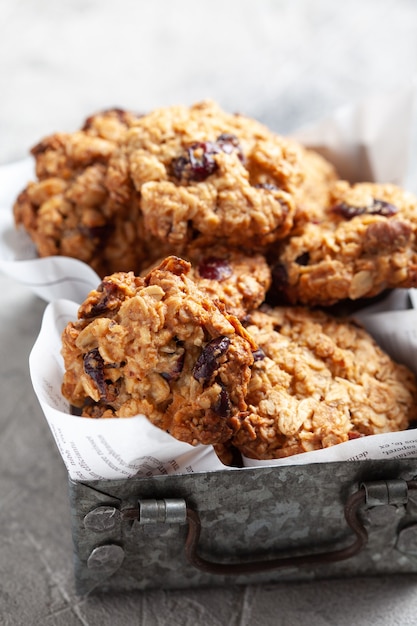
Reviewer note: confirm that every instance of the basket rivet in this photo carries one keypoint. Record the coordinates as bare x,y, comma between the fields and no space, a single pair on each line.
107,557
101,519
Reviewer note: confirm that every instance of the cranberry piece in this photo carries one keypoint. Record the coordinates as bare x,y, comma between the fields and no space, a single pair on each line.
198,162
176,370
378,207
207,362
354,435
94,368
107,302
223,406
215,268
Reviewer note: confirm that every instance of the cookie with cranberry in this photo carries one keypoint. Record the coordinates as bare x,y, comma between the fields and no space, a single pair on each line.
205,176
68,211
158,346
237,280
232,279
364,243
318,381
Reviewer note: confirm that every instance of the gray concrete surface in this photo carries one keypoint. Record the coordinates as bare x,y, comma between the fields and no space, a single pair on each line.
286,63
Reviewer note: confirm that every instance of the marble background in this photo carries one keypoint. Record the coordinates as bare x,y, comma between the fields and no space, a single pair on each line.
287,63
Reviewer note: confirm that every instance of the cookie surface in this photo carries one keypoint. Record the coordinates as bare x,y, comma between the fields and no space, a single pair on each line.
364,243
68,211
234,280
158,346
207,176
127,189
316,382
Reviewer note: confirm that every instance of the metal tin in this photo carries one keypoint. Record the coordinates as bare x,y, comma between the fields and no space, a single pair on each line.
245,526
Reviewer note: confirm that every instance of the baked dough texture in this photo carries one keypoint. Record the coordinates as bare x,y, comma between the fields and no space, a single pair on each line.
363,243
291,380
126,190
214,238
318,381
158,346
233,280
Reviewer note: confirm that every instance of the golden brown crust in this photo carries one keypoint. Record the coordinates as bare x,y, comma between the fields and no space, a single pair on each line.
125,189
68,211
318,382
228,196
203,173
364,244
236,281
158,346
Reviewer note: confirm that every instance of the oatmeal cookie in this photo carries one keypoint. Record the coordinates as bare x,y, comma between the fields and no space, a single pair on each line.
127,189
158,346
237,281
68,211
313,197
207,175
318,381
364,244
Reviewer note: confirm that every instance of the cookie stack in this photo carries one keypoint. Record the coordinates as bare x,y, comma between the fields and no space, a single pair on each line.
222,247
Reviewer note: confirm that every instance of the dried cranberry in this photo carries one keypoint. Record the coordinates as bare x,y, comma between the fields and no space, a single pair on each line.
198,162
215,268
207,362
107,302
176,369
378,207
222,406
354,435
94,368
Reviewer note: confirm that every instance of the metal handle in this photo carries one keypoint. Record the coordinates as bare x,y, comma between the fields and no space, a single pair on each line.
176,511
252,567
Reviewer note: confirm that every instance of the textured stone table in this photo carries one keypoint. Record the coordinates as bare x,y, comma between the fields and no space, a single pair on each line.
286,63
